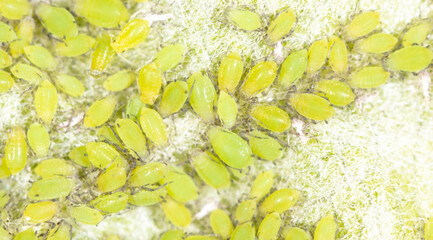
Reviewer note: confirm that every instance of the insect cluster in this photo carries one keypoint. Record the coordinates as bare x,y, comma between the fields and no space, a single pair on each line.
111,175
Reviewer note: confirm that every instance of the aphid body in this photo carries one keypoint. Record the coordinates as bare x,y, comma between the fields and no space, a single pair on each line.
46,101
271,117
28,234
54,167
103,155
202,95
220,223
172,235
28,73
265,146
312,106
173,98
243,19
119,81
79,156
14,9
51,188
180,186
230,72
280,201
428,229
245,211
40,57
245,231
338,55
149,82
149,173
418,33
153,126
102,55
111,203
262,185
325,228
69,85
317,54
410,59
39,139
131,135
58,21
337,92
103,13
280,26
368,77
269,227
40,212
6,81
293,68
75,46
211,170
169,56
227,109
148,197
112,179
296,234
259,78
176,212
131,35
361,25
378,43
99,112
85,214
15,153
5,59
7,34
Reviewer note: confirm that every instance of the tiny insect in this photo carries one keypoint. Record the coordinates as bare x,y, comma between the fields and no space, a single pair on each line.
203,95
153,126
40,57
79,156
361,25
338,55
5,59
410,59
54,167
243,19
260,77
111,203
69,85
40,212
75,46
4,170
28,234
368,77
131,35
102,56
245,211
271,117
61,232
15,153
7,34
28,73
338,93
245,231
172,235
57,21
51,188
280,201
149,83
14,9
108,134
131,135
46,101
102,13
6,81
417,33
230,72
148,197
220,223
24,33
173,98
119,81
269,227
169,56
265,146
296,234
377,43
293,68
134,106
227,109
325,228
4,198
112,179
176,212
180,186
99,112
85,214
312,106
210,169
149,173
230,148
317,54
103,155
428,229
280,26
262,185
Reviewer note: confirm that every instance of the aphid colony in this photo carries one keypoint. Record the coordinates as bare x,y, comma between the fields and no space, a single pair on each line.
116,174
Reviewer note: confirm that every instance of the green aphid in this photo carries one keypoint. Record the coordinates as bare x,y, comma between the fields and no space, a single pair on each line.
293,68
245,211
132,136
220,223
14,9
134,107
147,197
202,95
38,139
173,98
269,227
153,126
58,21
69,85
28,234
296,234
60,232
4,170
75,46
410,59
326,228
7,34
338,55
28,73
176,212
337,92
111,203
245,231
172,235
169,56
418,33
119,81
317,54
265,146
377,43
25,31
180,186
46,101
280,26
131,35
40,212
260,77
211,170
243,19
86,215
6,81
361,25
102,56
54,167
113,178
280,201
103,155
262,185
99,112
79,156
230,72
149,173
15,151
51,188
312,106
150,83
102,13
271,118
5,59
368,77
227,109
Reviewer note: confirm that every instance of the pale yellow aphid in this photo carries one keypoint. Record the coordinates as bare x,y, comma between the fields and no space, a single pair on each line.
75,46
39,139
262,185
79,156
58,21
361,25
296,234
337,92
51,188
428,229
410,59
265,146
368,77
119,81
111,203
326,228
40,57
7,34
203,95
103,155
149,83
147,174
131,35
25,32
230,72
28,234
46,101
280,201
5,59
102,55
6,81
111,179
269,227
378,43
131,135
100,111
220,223
85,214
280,26
134,106
40,212
148,197
317,54
245,211
169,56
173,98
15,153
312,106
260,77
180,186
14,9
293,68
338,55
69,85
227,109
210,169
28,73
243,19
103,13
153,126
54,167
245,231
417,33
176,212
271,117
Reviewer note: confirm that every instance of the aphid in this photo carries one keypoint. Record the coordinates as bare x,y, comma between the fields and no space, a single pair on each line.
296,234
99,112
79,156
378,43
203,95
7,34
149,173
153,126
280,26
4,170
6,81
325,228
243,19
51,188
312,106
230,72
17,47
58,21
368,77
169,56
112,179
220,223
27,234
25,32
131,35
428,229
69,85
107,133
361,25
5,59
103,155
293,68
134,106
280,201
269,227
176,212
131,135
102,55
180,186
173,98
28,73
14,9
85,214
172,235
245,211
4,198
410,59
417,33
227,109
338,55
317,54
148,197
262,185
54,167
271,117
102,13
245,231
15,153
230,148
40,212
61,232
119,81
265,146
75,46
46,101
111,203
259,78
149,83
338,93
211,170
